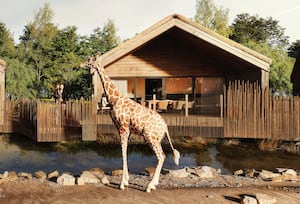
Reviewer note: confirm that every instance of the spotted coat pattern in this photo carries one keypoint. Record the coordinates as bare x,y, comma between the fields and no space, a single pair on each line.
131,117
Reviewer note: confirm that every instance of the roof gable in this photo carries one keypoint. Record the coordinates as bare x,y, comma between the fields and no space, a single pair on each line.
193,28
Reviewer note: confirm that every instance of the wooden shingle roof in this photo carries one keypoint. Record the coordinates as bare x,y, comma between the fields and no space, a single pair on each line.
193,28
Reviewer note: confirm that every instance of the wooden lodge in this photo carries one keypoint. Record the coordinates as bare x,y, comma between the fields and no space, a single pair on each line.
204,85
177,56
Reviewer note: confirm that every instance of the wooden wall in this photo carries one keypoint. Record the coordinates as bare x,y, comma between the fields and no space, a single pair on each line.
178,54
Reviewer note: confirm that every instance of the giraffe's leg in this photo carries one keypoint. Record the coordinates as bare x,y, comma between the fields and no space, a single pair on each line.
124,144
161,158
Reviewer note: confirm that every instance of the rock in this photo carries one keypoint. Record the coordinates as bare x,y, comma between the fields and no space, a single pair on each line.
87,177
290,172
40,175
105,180
203,172
12,176
268,175
53,174
5,175
98,172
25,175
238,172
265,199
250,173
180,173
8,176
150,171
248,200
117,172
66,180
286,177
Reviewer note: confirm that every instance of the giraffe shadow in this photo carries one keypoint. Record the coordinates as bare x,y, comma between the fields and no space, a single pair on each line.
131,185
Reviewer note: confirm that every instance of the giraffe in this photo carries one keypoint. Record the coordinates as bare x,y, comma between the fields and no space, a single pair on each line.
131,117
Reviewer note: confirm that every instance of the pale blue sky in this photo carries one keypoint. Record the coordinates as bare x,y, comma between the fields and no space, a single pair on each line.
133,16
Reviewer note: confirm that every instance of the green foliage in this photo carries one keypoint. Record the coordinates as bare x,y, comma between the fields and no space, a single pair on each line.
294,49
254,28
280,69
47,54
6,42
36,42
104,39
19,79
212,17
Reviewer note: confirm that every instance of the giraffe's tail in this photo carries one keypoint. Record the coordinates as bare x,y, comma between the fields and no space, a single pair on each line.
176,154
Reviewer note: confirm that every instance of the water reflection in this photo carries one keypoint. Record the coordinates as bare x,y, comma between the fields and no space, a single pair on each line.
21,154
242,157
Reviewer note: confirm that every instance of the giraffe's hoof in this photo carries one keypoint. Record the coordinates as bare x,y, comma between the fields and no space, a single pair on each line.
122,187
150,187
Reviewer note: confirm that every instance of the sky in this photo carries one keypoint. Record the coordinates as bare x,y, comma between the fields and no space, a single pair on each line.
134,16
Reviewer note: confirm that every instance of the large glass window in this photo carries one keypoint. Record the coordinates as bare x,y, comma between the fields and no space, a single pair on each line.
179,85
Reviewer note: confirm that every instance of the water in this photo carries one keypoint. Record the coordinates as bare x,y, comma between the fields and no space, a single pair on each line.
21,154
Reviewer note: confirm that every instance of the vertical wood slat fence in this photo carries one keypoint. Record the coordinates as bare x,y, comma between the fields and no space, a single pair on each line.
50,122
251,112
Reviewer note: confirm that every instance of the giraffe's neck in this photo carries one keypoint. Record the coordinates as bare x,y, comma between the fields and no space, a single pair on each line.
110,90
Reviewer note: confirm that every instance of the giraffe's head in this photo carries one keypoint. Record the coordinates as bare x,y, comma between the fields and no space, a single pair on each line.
92,62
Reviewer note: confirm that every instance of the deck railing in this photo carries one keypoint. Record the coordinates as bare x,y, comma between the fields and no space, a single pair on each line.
247,112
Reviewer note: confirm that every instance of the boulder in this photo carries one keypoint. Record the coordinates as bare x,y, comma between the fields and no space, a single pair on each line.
8,176
286,177
52,174
87,177
66,180
25,175
250,173
40,175
203,172
248,200
98,172
265,199
268,175
180,173
238,172
291,172
117,172
105,180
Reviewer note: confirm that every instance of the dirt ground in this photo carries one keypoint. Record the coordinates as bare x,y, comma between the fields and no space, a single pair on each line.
32,191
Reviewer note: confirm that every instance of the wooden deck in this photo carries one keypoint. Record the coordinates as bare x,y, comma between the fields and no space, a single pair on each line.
249,112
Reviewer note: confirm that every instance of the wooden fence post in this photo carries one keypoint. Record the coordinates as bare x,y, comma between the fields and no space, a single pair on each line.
186,105
221,105
154,102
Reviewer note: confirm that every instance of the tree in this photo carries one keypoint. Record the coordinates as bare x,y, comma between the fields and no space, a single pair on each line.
280,69
19,79
212,17
6,42
256,29
36,43
294,49
104,39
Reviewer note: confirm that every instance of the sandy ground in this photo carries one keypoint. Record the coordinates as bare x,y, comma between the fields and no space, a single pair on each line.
31,191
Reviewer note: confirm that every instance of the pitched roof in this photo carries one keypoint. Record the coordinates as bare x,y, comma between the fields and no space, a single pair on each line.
193,28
